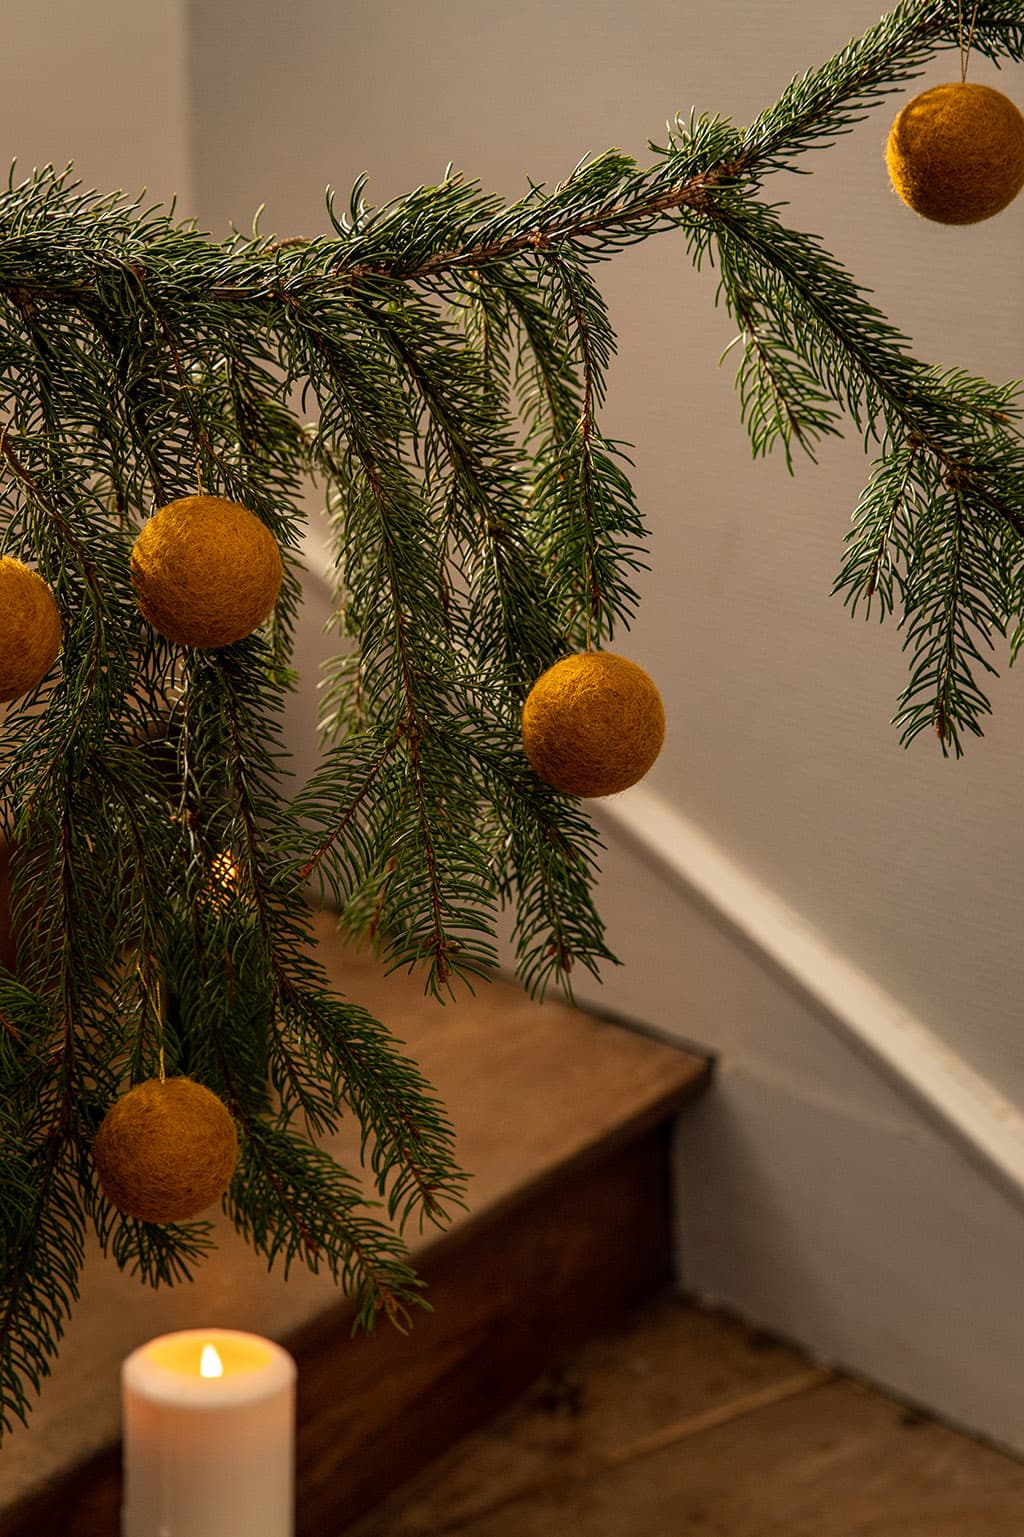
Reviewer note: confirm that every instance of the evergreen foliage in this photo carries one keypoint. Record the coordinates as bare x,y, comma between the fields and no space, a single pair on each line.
450,355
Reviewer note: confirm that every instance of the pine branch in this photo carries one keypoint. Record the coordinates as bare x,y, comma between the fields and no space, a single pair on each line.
405,1131
453,354
954,610
320,1053
293,1202
880,540
42,1231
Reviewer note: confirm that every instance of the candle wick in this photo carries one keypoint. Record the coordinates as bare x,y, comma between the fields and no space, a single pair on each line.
210,1364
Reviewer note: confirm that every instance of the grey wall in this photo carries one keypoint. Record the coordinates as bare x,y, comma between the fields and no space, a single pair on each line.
102,84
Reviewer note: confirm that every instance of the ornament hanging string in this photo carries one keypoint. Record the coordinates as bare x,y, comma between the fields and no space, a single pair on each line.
590,601
965,48
3,457
158,1015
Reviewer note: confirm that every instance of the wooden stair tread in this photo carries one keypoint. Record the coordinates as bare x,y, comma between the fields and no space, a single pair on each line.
532,1090
529,1087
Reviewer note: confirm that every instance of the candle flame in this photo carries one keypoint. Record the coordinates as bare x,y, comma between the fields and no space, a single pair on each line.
210,1363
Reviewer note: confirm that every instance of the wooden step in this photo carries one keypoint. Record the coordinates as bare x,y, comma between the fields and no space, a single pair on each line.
562,1119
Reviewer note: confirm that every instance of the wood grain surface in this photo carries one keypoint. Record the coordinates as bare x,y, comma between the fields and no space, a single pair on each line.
511,1294
684,1424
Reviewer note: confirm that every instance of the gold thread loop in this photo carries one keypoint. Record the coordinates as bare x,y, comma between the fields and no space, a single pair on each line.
158,1016
965,48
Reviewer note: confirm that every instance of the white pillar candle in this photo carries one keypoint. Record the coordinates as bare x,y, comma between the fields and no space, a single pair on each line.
209,1434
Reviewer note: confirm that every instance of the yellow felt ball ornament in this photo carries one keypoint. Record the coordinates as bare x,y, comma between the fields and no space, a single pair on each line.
166,1150
206,571
956,153
30,631
593,724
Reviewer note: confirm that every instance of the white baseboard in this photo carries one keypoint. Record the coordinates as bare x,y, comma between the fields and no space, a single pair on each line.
848,1182
901,1047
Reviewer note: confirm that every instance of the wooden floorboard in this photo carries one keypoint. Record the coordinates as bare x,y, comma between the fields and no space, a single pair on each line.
684,1424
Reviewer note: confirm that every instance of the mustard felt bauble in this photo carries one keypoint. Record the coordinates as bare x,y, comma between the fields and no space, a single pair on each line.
206,571
30,632
956,153
166,1150
593,724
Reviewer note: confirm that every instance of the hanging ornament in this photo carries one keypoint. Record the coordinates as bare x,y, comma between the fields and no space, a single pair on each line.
30,631
166,1150
593,724
206,571
956,153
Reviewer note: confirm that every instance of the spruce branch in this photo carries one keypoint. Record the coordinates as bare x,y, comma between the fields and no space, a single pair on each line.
451,353
43,1233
